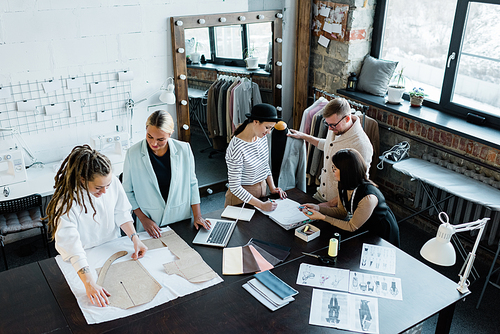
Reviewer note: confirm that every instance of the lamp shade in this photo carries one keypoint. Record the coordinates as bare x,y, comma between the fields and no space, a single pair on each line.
168,95
439,250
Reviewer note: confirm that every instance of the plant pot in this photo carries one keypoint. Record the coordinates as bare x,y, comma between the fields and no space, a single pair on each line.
394,94
416,101
195,57
252,63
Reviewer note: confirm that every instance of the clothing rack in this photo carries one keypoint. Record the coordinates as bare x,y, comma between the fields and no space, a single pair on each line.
360,107
231,73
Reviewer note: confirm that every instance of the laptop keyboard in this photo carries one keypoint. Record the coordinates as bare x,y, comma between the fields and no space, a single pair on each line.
219,232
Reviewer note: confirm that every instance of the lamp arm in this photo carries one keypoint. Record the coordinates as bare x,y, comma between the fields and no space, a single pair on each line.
463,285
470,226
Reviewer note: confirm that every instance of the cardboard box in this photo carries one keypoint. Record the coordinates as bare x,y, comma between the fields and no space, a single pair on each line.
299,232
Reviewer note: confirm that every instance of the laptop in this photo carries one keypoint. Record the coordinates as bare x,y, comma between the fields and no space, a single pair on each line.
218,235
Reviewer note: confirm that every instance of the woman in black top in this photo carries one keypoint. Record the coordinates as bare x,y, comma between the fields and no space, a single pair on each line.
361,204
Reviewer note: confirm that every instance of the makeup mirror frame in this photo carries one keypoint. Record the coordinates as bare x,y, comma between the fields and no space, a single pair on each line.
177,26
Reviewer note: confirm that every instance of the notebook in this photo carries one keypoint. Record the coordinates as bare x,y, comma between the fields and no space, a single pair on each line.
218,235
234,212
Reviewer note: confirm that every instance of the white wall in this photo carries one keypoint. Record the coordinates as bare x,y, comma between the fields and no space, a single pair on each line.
44,39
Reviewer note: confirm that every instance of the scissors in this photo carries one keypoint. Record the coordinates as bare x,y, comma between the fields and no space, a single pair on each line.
323,259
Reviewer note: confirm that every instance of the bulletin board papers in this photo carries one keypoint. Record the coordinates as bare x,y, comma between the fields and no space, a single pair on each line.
173,286
344,311
330,21
378,258
287,214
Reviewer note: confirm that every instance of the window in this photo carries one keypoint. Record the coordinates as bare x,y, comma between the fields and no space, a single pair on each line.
230,45
449,47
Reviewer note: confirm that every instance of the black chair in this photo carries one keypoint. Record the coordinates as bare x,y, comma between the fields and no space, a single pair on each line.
19,215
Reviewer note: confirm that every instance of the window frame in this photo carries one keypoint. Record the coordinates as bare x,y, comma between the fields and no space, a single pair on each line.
445,104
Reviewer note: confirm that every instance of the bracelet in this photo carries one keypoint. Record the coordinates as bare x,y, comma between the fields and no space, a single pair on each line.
133,235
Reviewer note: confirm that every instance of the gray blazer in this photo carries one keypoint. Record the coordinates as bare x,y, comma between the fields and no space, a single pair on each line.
293,166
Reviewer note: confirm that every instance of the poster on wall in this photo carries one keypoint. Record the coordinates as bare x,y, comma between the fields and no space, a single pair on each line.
330,21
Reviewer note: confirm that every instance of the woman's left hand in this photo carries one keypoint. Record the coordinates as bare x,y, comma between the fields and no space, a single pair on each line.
200,221
279,191
140,248
312,214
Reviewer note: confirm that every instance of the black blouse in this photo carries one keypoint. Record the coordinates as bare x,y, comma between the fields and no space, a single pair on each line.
161,166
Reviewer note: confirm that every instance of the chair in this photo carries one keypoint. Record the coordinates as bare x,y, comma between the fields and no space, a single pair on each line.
488,278
19,215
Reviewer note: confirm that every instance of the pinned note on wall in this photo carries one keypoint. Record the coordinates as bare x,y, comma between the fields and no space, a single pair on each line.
75,108
53,109
51,85
125,76
5,92
73,83
104,115
26,105
98,87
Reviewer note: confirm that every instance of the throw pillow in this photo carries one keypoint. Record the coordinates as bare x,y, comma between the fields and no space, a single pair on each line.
375,75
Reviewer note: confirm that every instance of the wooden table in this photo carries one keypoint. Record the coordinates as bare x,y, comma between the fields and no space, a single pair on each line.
27,304
227,307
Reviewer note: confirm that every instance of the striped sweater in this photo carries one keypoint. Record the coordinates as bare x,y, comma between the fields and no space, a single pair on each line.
247,164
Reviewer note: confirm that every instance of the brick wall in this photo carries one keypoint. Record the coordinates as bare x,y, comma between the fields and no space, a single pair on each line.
330,67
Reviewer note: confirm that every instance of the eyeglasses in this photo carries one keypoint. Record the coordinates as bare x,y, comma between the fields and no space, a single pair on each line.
334,126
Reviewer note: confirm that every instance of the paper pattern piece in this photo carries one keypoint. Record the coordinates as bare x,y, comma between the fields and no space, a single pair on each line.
287,214
323,41
375,285
378,258
173,286
237,213
104,269
130,284
190,264
344,311
323,277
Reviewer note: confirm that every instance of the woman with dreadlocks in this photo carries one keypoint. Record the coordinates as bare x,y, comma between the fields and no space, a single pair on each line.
88,208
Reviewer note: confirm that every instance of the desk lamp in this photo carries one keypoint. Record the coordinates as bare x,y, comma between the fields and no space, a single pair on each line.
440,251
23,144
168,96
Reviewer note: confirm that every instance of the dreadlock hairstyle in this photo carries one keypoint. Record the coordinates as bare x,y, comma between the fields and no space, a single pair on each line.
83,163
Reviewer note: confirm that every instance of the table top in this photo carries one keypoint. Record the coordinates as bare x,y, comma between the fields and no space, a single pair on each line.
27,303
228,307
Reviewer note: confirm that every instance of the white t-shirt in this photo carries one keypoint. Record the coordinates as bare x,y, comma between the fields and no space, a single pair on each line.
77,230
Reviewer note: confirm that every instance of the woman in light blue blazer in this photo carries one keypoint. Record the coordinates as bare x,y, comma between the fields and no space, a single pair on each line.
159,178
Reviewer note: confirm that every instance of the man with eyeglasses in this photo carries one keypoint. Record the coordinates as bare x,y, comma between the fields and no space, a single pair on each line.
344,131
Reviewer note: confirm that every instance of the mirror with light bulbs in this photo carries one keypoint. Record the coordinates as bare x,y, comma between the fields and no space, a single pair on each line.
179,47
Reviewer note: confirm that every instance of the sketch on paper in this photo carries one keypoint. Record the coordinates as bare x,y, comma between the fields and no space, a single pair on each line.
378,258
323,277
375,285
344,311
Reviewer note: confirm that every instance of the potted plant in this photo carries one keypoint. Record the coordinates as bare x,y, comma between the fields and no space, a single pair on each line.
396,88
417,96
251,60
195,56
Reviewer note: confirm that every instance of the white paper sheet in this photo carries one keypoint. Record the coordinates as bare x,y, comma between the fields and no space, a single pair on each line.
323,277
73,83
173,286
375,285
378,258
344,311
51,85
324,11
5,92
323,41
287,213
